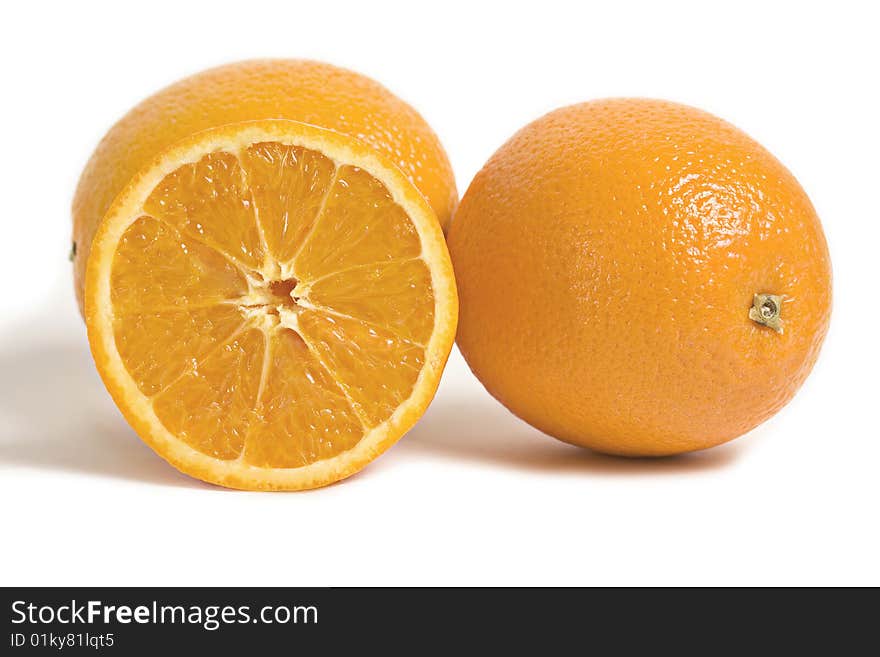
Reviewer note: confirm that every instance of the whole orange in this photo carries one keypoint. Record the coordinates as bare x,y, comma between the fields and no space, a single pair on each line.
301,90
639,277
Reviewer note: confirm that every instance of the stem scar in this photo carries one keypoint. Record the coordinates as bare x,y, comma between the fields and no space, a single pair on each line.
766,310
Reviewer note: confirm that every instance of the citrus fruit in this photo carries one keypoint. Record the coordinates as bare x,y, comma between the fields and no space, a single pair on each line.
639,277
301,90
270,304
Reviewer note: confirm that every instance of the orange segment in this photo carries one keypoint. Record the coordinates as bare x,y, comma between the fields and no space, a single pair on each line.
182,271
158,347
396,295
361,224
210,201
211,407
271,305
278,438
289,185
375,367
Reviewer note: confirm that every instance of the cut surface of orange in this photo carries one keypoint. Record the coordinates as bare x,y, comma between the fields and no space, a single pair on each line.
270,304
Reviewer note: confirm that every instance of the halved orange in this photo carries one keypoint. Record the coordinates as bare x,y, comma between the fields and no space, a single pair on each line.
270,304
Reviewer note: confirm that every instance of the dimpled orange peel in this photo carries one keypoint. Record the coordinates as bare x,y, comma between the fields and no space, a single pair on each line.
270,303
639,277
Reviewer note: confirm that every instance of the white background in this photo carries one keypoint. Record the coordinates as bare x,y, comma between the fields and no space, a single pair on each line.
471,495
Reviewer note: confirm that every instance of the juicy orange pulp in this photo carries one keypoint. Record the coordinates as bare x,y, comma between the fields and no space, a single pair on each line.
272,306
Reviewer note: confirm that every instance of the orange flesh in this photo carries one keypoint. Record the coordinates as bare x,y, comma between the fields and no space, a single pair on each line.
273,306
